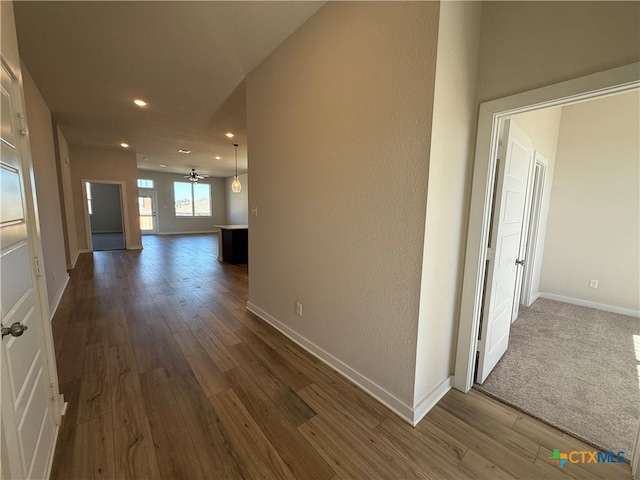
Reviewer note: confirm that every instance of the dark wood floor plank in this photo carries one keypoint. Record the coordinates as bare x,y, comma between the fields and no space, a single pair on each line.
93,450
216,350
340,455
290,405
294,450
479,467
135,456
126,394
437,455
174,448
210,378
323,376
95,388
213,447
247,438
117,327
498,454
472,412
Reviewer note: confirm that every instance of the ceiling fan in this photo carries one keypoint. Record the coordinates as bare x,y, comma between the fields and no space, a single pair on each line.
194,177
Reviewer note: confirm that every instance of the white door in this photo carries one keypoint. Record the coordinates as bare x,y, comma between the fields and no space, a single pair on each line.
514,168
148,212
28,406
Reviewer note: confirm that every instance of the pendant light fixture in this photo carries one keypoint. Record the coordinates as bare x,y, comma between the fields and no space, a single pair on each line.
235,185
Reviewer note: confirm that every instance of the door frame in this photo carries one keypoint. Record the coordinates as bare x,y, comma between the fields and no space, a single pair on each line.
526,295
87,217
608,82
154,205
617,80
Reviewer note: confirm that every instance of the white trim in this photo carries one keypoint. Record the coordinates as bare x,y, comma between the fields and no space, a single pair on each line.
135,247
56,436
635,456
616,80
187,233
430,400
83,250
58,297
396,405
74,261
589,304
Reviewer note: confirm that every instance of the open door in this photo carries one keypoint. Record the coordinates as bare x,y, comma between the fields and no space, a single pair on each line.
514,168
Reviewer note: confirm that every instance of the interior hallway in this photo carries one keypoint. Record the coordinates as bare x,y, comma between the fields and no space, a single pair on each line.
168,376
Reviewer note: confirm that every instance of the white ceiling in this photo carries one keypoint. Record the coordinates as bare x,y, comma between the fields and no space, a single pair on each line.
187,59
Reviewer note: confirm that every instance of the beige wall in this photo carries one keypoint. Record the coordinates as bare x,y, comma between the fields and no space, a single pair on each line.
110,165
237,203
46,180
167,220
339,119
452,139
525,45
594,220
66,197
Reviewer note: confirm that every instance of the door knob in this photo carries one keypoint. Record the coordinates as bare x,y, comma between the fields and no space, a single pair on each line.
15,330
520,262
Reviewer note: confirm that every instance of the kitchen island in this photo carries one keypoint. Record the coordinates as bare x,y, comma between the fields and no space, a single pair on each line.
233,243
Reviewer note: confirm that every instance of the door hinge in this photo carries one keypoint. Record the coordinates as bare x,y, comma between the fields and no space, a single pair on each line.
38,267
480,345
23,124
491,253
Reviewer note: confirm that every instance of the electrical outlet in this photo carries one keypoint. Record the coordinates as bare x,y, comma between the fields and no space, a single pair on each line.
593,283
298,309
254,211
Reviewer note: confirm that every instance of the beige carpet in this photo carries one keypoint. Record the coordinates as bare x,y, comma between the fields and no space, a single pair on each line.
576,368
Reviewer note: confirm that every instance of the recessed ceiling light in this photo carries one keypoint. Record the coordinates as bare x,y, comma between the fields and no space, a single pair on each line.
230,134
139,102
162,165
124,145
182,150
218,158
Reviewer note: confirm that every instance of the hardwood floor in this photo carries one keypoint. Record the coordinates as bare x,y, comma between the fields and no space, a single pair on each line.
168,376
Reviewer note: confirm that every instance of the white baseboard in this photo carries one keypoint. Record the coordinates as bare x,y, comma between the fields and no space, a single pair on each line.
188,233
58,297
135,247
587,303
56,434
74,261
84,250
534,297
396,405
430,400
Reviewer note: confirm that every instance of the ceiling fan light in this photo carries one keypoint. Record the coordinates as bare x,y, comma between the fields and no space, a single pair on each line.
236,187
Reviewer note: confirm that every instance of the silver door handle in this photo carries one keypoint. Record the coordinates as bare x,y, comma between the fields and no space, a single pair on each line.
520,262
15,330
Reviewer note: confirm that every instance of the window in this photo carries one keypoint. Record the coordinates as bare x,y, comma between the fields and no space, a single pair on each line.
142,183
89,206
192,199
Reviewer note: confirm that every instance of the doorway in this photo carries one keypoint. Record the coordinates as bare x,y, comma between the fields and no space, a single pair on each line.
105,216
147,209
478,254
